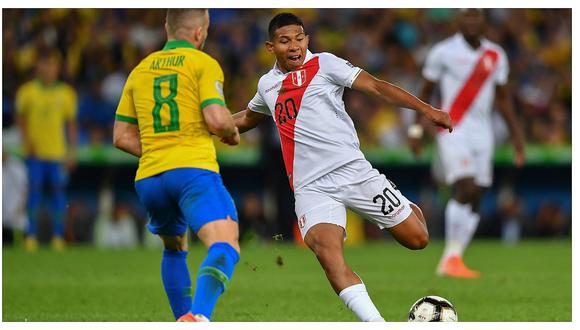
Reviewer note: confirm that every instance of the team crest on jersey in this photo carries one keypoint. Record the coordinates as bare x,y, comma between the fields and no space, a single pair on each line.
302,221
299,78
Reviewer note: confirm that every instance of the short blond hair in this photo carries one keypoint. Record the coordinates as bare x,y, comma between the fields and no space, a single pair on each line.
177,18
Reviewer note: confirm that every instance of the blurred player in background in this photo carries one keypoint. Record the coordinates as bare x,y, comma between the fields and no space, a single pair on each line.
470,71
46,115
171,104
324,164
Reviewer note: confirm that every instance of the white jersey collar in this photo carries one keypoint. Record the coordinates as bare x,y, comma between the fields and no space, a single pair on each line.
461,39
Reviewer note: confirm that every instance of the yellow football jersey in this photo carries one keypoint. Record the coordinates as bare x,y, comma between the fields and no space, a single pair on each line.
46,109
165,95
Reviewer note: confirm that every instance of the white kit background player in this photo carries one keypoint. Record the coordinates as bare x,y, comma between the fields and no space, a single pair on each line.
325,167
471,71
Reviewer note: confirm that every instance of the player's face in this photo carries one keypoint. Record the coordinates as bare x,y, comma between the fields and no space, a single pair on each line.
471,22
289,45
48,69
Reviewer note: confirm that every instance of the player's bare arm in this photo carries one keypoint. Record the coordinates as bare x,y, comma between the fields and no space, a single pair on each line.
220,122
23,126
127,138
395,95
415,133
72,133
247,119
505,107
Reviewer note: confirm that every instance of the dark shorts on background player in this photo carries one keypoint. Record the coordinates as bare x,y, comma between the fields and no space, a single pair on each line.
184,197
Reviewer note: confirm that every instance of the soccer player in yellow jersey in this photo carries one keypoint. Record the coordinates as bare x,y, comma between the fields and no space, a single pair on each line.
45,107
171,104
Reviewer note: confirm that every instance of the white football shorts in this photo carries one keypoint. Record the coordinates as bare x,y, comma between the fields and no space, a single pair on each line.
465,155
356,185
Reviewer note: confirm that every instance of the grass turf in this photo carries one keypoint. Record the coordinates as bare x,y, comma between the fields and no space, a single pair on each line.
528,282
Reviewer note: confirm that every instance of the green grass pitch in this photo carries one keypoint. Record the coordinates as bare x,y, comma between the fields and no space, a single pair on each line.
528,282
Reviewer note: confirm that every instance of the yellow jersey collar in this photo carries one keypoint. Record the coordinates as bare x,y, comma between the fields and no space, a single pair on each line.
171,44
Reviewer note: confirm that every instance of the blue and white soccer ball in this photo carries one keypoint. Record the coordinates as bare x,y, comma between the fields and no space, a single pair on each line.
432,309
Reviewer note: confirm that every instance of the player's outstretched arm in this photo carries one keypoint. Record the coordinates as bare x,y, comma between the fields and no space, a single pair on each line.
505,107
415,133
219,120
127,138
396,95
247,119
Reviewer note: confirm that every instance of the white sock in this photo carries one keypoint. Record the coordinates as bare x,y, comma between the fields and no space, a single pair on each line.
468,230
357,299
458,219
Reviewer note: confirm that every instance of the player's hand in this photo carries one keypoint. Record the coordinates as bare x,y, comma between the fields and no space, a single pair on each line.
232,140
416,145
29,149
71,162
441,119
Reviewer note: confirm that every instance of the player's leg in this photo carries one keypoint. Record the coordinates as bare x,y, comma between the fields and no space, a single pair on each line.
35,179
211,213
460,168
166,220
56,179
460,225
322,223
326,241
412,232
380,201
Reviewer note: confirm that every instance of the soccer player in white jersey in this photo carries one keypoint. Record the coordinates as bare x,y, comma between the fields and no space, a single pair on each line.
325,167
471,71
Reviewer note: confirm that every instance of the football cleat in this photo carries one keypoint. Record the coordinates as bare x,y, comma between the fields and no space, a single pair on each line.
189,317
58,244
453,266
30,244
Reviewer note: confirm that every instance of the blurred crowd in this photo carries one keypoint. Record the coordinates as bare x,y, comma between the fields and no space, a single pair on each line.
100,47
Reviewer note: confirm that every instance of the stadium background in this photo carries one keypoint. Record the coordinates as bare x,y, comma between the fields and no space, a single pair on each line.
99,47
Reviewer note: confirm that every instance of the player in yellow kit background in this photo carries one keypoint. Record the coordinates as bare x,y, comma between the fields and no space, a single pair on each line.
46,115
171,102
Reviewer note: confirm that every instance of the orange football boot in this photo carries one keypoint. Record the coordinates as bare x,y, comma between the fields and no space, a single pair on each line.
453,266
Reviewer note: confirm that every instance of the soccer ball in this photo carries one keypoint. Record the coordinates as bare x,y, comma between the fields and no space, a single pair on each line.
432,309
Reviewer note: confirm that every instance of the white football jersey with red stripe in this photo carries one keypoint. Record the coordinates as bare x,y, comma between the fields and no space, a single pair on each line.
467,78
316,133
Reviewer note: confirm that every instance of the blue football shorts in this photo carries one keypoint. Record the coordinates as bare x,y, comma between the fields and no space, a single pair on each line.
184,197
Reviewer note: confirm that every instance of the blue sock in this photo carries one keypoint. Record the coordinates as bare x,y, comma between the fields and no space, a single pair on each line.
59,207
213,277
176,281
32,228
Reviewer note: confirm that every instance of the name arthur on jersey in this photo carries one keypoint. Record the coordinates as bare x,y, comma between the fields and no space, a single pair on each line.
166,62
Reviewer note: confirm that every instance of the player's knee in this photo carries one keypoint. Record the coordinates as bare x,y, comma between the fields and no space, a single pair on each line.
419,241
175,243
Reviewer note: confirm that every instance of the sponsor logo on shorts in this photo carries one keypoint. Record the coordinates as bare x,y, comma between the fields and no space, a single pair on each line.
397,212
302,221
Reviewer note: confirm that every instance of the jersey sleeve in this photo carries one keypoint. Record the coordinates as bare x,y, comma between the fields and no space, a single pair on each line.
339,71
126,109
211,84
257,104
433,68
502,70
21,100
72,105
